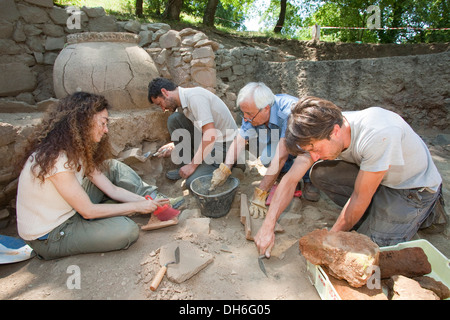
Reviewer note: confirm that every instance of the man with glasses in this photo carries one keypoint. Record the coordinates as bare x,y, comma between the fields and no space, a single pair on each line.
265,118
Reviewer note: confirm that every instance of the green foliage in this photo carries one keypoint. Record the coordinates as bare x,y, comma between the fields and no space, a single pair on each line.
351,13
394,14
415,14
292,20
301,15
123,9
229,13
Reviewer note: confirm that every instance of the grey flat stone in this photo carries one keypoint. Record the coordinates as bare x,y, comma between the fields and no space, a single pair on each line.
192,260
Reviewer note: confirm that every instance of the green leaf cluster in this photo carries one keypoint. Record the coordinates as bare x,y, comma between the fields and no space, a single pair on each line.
414,18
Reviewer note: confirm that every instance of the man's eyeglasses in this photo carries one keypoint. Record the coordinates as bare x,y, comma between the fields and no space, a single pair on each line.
251,120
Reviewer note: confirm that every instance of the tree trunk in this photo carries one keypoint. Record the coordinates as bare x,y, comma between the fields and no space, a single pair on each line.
157,5
210,12
390,36
139,9
281,17
173,10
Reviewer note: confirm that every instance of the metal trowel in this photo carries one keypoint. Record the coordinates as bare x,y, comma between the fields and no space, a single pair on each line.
261,264
150,154
163,270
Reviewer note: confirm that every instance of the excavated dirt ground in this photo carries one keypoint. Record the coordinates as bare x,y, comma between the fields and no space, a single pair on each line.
234,274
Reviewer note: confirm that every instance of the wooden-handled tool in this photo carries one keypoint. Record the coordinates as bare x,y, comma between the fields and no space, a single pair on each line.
162,271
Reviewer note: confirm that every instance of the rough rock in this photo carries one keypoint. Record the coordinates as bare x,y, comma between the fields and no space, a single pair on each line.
16,78
347,255
131,156
170,39
436,286
407,85
409,262
403,288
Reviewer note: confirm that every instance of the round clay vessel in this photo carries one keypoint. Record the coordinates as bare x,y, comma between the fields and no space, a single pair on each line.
107,63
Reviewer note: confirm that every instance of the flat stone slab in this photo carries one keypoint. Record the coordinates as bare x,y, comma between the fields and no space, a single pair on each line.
192,260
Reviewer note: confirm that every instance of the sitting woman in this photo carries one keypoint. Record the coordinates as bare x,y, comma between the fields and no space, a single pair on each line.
66,178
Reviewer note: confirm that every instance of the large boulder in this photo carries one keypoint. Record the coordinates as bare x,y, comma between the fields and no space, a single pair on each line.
347,255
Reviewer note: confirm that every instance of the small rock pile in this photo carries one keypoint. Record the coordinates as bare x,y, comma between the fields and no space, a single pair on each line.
353,261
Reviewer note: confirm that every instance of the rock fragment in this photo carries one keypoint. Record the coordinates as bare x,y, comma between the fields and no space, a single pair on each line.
346,255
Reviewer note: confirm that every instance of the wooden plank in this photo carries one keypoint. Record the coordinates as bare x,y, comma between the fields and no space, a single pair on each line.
245,217
154,223
252,225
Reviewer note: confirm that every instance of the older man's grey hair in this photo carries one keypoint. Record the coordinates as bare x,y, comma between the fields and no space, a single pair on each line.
261,95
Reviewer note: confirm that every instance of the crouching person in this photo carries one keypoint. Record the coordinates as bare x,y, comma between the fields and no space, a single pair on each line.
66,178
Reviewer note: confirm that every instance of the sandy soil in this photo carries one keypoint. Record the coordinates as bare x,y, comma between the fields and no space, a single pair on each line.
234,274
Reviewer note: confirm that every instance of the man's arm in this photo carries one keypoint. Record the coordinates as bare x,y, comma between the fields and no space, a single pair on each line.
235,150
209,136
258,203
221,174
274,169
265,238
366,185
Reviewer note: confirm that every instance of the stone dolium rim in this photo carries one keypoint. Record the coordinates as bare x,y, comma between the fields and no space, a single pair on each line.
102,37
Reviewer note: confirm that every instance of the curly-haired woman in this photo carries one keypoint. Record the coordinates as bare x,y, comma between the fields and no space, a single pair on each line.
67,176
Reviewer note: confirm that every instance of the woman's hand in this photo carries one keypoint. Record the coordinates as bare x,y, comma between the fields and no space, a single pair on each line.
148,206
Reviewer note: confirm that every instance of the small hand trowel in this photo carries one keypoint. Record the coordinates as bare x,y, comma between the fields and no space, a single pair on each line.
163,270
150,154
261,264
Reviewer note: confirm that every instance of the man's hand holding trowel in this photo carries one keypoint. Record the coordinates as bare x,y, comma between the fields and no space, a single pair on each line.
165,150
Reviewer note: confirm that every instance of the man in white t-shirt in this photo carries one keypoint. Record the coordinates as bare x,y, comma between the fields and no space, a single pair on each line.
377,169
200,131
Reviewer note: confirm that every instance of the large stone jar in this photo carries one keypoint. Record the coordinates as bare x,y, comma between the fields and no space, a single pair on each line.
107,63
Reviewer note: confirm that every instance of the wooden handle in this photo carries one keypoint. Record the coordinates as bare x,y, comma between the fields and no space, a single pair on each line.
158,278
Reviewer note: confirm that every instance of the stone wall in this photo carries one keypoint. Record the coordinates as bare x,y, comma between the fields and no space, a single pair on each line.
417,87
33,32
238,66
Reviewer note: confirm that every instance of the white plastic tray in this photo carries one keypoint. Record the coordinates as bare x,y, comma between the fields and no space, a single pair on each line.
440,268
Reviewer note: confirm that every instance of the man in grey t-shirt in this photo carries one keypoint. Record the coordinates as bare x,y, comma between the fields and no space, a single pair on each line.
202,128
377,169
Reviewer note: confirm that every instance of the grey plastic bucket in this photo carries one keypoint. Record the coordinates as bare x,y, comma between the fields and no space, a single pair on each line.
217,203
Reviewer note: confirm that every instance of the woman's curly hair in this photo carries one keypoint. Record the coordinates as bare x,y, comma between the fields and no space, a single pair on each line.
67,128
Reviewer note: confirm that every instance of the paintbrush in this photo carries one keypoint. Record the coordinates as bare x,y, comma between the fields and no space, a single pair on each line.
165,212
